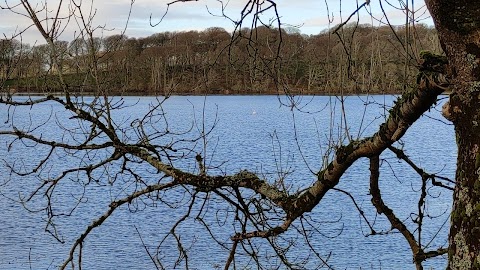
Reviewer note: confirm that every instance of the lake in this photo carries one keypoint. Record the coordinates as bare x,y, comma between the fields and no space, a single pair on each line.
247,132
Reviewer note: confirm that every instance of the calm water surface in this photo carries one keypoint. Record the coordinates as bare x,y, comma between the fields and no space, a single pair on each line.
250,132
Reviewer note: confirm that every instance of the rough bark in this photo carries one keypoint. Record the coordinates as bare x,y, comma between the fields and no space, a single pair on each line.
458,26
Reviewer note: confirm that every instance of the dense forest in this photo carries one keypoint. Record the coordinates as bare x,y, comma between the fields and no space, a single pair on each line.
356,59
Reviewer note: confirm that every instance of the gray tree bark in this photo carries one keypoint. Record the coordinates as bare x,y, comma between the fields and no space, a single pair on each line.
458,26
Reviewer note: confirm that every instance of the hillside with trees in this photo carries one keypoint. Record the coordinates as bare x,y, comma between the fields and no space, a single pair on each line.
357,59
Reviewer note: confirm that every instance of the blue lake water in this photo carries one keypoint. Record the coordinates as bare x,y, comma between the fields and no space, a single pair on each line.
249,132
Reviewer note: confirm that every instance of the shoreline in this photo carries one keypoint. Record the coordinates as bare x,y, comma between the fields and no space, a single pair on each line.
130,94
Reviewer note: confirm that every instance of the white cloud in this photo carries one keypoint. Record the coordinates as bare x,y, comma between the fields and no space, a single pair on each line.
310,14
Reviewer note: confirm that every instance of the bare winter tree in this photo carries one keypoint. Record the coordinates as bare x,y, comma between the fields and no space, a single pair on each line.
93,145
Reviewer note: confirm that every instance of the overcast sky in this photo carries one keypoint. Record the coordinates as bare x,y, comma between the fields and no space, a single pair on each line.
311,16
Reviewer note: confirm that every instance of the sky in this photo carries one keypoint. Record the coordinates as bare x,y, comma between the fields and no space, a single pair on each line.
309,16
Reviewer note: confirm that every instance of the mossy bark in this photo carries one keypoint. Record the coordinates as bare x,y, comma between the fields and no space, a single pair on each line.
458,26
464,239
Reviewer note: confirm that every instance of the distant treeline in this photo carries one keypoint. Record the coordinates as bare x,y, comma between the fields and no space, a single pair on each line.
356,59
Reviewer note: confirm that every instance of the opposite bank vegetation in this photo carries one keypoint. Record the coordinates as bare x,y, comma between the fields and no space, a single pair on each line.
358,59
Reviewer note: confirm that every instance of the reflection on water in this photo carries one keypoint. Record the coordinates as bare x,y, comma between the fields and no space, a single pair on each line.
250,132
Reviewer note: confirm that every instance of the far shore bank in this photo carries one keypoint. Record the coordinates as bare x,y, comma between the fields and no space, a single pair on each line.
143,94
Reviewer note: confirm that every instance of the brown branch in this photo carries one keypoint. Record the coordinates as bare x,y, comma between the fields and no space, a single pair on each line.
419,255
146,249
166,11
33,16
351,15
207,183
29,102
231,256
263,234
382,208
401,155
431,254
23,135
77,110
359,209
52,182
113,206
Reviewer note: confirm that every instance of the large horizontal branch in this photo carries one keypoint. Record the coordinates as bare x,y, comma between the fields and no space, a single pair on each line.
242,179
24,135
28,102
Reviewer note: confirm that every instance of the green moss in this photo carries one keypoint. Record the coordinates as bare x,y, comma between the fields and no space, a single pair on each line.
471,58
474,221
459,172
476,185
345,150
475,86
460,242
406,97
477,164
476,264
459,214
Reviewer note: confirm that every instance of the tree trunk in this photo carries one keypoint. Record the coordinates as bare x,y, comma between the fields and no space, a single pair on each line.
458,26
